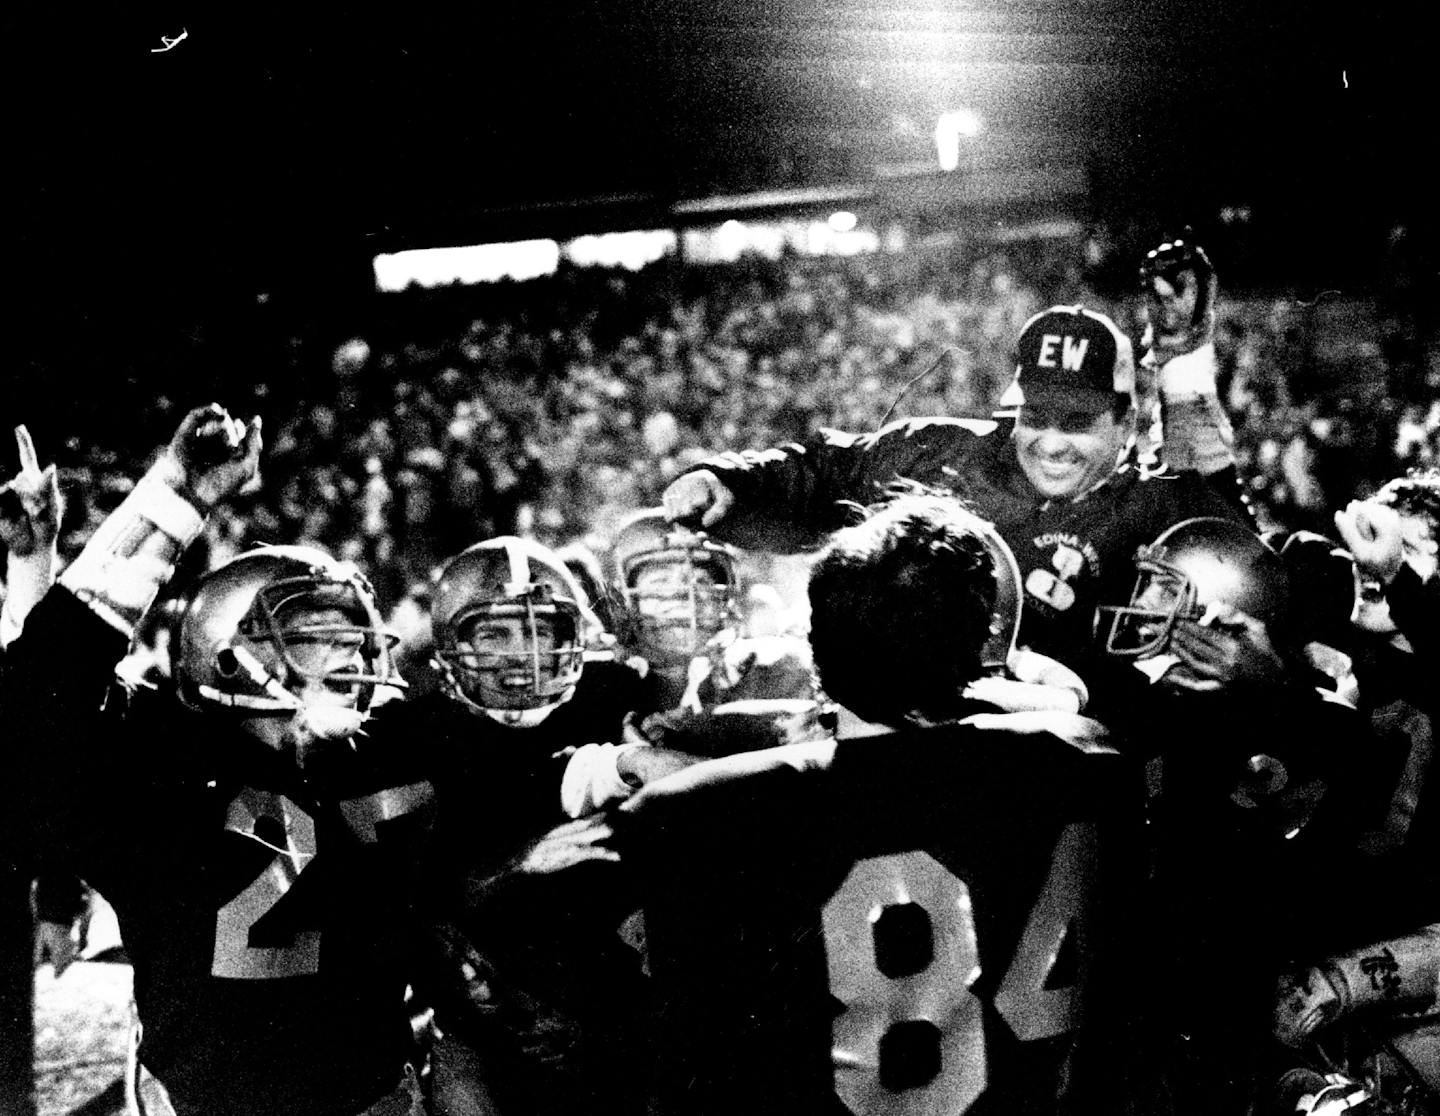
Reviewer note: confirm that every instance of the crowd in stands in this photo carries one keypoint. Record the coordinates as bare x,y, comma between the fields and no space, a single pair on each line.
552,407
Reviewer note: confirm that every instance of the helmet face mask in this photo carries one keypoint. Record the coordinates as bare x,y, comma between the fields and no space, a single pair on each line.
511,626
286,631
516,656
318,632
1163,594
679,588
679,601
1193,566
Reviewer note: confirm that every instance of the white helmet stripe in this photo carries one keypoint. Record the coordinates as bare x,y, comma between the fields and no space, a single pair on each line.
520,578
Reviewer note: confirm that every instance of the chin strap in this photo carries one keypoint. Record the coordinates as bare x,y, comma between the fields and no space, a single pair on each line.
519,718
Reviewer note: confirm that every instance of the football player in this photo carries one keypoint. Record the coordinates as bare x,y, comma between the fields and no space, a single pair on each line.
30,514
1392,536
710,688
541,1001
1053,471
925,918
679,597
1248,751
258,853
1371,993
1178,292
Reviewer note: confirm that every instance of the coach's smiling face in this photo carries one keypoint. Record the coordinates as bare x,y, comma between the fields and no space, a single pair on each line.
1067,446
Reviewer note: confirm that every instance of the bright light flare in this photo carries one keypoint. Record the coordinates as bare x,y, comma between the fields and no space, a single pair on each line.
949,129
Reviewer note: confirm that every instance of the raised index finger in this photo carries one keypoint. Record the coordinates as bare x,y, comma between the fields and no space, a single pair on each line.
29,460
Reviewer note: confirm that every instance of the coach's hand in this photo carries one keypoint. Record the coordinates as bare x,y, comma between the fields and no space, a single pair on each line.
699,494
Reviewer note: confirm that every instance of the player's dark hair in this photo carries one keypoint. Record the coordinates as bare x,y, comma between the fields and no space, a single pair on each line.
900,609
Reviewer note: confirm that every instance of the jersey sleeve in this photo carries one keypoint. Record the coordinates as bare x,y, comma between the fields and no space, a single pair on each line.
54,680
789,498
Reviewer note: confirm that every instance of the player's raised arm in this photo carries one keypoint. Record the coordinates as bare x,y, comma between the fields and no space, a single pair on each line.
133,552
1179,290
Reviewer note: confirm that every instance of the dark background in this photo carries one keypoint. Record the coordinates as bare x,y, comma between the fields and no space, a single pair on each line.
278,151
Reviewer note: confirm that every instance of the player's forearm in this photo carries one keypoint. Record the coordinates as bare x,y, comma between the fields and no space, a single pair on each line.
1197,432
27,579
133,552
599,775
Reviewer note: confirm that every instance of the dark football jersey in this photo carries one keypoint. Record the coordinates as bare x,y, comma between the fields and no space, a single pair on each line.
565,993
504,781
266,912
934,923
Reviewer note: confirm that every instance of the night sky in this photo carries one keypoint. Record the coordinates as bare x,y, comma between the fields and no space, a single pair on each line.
273,149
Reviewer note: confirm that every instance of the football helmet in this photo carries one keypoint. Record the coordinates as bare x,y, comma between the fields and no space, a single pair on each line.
1005,617
261,631
679,587
1191,566
511,626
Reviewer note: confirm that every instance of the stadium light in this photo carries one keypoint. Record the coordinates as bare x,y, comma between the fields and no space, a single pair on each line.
477,263
843,221
949,128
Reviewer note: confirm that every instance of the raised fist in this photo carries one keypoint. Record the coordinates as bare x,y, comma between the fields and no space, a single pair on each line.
216,455
699,494
1178,283
30,503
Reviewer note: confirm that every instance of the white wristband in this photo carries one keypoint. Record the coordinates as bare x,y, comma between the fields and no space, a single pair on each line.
1190,373
167,509
131,554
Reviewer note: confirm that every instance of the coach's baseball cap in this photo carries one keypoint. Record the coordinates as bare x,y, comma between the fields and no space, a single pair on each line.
1072,354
